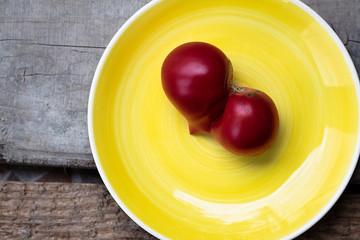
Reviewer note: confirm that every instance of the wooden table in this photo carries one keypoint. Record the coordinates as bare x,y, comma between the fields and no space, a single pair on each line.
48,54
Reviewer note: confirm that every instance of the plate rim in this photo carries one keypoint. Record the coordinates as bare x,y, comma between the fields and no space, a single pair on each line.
144,226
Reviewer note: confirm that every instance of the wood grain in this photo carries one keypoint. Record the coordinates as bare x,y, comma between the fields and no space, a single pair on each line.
62,211
84,211
48,54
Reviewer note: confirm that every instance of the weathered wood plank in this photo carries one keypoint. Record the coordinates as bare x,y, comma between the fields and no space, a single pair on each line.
48,54
83,211
62,211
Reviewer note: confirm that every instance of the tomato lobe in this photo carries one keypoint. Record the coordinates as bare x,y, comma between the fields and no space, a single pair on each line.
249,123
196,79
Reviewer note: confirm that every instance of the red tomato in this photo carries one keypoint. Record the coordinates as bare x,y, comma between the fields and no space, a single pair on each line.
197,78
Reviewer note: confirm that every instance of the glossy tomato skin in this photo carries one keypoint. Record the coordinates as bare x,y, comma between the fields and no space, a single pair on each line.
249,124
196,78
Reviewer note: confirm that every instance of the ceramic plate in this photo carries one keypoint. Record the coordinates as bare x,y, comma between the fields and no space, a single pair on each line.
181,186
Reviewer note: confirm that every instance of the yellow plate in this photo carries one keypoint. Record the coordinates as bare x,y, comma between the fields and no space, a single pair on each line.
179,186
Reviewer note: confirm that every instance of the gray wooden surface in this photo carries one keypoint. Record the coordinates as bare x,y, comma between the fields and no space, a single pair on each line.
48,54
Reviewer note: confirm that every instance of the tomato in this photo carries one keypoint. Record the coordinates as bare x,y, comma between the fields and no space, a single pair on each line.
196,79
249,124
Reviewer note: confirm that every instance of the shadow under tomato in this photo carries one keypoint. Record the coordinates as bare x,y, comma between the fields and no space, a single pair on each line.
269,157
